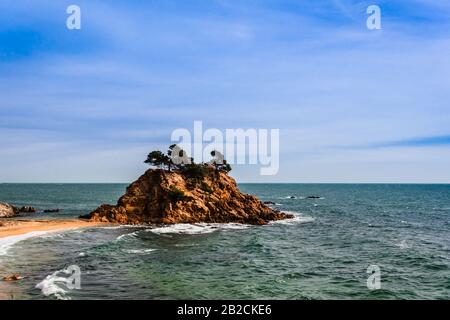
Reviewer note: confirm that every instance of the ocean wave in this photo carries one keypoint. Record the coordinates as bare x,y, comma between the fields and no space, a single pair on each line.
138,251
127,235
53,235
441,209
124,226
7,242
53,285
232,226
198,228
184,228
298,219
403,245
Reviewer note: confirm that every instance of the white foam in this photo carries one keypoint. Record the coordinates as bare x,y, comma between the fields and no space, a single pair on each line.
53,235
184,228
127,235
49,286
7,242
298,219
198,228
124,226
403,245
231,226
138,251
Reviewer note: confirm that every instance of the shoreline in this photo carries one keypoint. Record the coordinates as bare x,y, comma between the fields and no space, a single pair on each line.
15,228
13,231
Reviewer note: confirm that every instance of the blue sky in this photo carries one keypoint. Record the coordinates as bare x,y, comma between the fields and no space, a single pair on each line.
352,105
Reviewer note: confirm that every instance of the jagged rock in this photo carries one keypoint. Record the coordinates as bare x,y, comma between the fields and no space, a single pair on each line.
7,210
160,196
269,202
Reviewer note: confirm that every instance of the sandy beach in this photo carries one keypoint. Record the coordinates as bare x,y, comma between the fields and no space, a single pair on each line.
11,227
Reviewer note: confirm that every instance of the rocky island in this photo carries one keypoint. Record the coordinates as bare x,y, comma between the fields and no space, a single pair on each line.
189,194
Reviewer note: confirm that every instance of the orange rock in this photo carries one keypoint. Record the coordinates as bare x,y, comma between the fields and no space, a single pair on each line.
12,277
150,199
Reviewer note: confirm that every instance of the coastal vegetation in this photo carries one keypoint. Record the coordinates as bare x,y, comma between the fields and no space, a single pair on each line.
177,159
178,190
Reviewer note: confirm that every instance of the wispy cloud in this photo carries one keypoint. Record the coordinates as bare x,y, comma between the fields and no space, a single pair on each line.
138,70
414,142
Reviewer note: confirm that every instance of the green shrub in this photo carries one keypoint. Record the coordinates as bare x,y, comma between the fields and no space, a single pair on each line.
194,170
176,194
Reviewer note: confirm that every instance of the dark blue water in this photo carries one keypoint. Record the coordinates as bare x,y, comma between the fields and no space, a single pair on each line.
323,253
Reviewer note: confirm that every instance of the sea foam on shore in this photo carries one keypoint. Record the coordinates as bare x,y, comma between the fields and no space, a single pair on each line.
7,242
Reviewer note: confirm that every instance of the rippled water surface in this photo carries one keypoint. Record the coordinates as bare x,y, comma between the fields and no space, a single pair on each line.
321,254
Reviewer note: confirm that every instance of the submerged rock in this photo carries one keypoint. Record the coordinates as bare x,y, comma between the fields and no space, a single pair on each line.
313,197
13,277
51,210
26,209
159,196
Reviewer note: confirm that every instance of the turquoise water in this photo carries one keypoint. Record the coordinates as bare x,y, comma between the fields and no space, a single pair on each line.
322,254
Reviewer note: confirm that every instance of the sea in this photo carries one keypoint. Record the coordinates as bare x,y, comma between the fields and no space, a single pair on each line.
355,241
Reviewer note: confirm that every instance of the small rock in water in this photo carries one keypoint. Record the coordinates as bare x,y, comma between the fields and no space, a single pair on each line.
13,277
51,210
292,197
27,209
269,202
313,197
7,210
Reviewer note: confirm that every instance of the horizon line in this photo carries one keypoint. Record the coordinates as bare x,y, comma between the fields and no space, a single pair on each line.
409,183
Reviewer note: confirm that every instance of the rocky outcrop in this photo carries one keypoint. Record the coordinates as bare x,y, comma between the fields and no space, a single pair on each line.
159,196
27,209
7,210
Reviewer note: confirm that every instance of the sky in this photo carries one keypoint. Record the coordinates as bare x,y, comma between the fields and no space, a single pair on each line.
352,104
